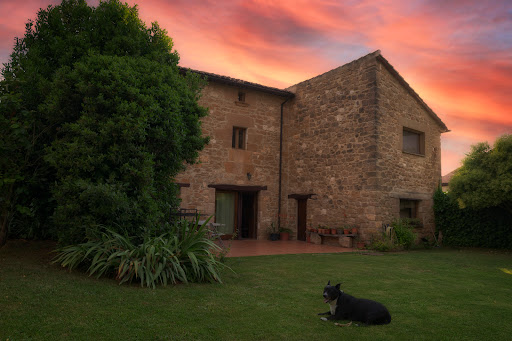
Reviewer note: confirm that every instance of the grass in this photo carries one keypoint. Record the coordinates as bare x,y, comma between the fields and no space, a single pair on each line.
432,295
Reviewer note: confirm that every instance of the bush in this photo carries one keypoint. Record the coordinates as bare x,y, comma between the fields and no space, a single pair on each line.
404,234
184,254
96,119
489,227
400,236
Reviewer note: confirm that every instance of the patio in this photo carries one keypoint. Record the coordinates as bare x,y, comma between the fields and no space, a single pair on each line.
253,247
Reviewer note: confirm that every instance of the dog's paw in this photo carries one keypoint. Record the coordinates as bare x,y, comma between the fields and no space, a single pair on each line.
324,319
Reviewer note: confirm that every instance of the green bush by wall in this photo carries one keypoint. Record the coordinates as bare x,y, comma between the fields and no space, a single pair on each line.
490,227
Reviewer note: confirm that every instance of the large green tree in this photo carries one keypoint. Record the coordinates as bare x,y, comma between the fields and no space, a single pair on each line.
485,178
97,121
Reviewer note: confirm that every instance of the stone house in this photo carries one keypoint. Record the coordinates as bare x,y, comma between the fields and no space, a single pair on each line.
353,146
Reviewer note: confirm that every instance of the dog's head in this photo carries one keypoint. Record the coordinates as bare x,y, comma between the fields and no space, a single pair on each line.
331,293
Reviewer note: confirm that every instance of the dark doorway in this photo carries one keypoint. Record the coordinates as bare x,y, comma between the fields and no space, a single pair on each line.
248,215
236,212
302,206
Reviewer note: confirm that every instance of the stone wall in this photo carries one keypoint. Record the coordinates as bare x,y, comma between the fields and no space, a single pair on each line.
403,175
331,139
344,143
221,164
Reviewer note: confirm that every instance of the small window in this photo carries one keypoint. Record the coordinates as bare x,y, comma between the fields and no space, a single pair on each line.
413,142
241,96
408,208
238,139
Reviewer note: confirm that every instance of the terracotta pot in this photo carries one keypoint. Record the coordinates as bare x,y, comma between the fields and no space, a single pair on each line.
284,235
308,238
346,231
360,245
333,231
354,230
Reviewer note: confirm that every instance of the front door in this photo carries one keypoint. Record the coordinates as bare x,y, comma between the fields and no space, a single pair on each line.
235,211
302,205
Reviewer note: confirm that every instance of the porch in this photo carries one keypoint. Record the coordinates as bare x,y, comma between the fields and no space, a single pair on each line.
253,247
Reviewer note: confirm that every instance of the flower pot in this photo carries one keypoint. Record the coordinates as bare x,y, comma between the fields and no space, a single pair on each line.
308,238
354,230
274,236
284,235
346,231
333,231
360,245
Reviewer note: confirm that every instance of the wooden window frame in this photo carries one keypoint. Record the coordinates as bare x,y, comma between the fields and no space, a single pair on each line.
414,212
239,138
421,141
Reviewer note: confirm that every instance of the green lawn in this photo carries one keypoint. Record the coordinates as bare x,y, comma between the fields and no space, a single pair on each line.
432,295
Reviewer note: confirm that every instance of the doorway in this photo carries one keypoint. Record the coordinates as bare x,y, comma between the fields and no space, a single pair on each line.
236,211
302,208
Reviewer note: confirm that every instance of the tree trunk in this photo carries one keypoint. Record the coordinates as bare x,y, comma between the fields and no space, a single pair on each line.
4,227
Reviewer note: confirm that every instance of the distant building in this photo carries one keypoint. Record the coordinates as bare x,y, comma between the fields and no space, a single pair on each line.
353,146
445,180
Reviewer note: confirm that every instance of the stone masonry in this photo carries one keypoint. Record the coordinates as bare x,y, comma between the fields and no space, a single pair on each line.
341,147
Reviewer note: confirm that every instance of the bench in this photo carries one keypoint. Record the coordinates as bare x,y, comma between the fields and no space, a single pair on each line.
344,240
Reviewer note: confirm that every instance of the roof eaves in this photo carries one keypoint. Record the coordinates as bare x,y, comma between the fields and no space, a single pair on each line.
239,83
411,91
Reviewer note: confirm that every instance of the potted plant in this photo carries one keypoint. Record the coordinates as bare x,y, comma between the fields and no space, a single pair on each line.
333,230
346,230
284,233
273,232
339,230
354,230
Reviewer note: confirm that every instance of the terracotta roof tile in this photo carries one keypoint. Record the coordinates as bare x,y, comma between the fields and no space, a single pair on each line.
240,83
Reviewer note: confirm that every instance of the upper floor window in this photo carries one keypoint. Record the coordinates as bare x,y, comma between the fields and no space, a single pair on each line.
238,139
241,96
413,141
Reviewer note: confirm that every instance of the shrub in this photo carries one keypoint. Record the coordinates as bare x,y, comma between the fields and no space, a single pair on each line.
488,227
404,234
399,236
184,254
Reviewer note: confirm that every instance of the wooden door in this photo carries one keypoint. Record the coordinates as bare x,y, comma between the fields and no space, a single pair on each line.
302,205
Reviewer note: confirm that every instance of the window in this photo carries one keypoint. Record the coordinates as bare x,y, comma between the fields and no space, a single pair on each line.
408,208
241,96
238,140
413,142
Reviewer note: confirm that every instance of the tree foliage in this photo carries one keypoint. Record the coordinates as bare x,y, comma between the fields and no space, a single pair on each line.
486,227
97,121
485,178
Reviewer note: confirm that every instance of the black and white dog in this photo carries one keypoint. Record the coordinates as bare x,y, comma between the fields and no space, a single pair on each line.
346,307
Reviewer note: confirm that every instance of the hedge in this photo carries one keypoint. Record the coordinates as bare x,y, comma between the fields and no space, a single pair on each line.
490,228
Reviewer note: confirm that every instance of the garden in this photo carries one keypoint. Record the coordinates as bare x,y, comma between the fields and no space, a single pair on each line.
437,294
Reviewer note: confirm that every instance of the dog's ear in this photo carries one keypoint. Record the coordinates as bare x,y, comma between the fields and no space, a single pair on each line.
338,286
329,283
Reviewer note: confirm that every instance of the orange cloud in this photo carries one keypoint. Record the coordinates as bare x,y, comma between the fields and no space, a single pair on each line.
456,54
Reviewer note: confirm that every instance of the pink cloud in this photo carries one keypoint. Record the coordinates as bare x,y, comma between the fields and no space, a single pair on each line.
456,54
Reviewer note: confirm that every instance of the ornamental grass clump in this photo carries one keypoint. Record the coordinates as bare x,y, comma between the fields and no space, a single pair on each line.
184,254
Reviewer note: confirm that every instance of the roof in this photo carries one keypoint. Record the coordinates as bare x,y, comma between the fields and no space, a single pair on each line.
410,90
239,83
445,179
377,55
288,94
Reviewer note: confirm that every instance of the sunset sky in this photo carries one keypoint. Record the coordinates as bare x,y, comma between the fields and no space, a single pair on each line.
457,55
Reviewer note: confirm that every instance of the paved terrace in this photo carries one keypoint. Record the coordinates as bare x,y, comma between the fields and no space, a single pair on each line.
252,247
